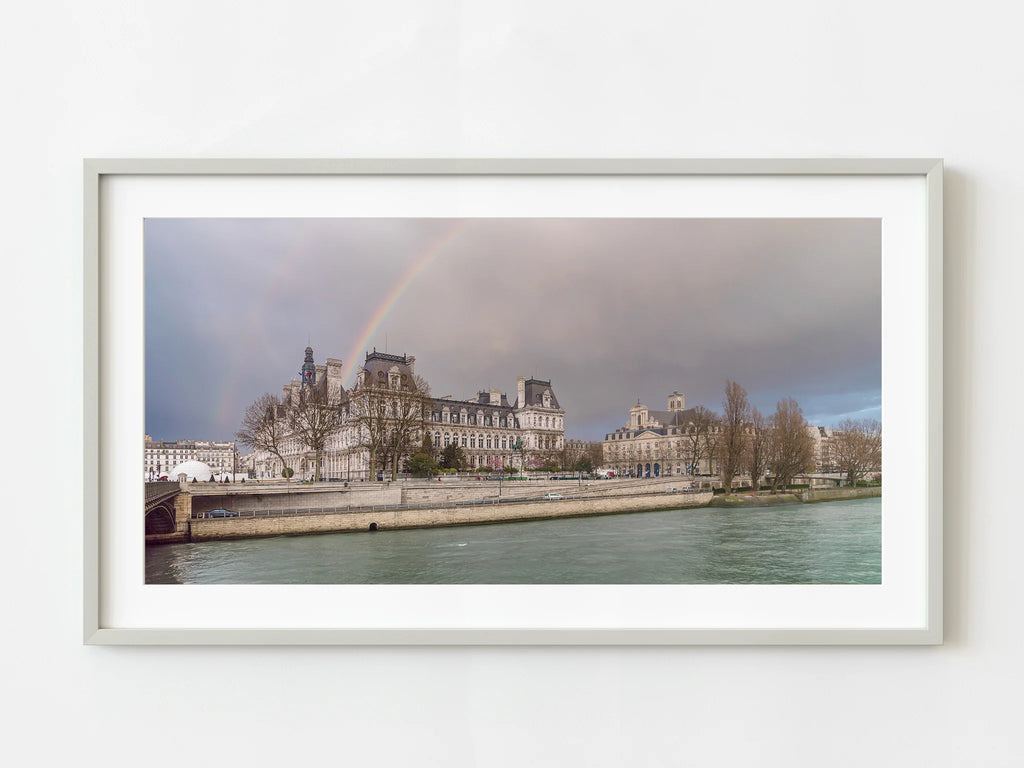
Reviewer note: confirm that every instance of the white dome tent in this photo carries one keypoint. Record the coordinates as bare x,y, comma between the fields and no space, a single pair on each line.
194,470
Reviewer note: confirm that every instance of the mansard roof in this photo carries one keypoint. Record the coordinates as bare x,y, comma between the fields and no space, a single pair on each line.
472,406
484,398
534,394
375,355
378,364
672,418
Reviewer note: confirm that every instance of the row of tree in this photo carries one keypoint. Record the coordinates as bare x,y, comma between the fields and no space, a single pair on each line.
781,446
573,456
390,422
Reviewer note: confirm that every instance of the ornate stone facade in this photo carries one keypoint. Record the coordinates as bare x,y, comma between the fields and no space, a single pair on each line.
490,431
160,457
678,442
657,443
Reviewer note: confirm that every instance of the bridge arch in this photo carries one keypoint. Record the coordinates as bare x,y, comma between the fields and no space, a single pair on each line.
160,519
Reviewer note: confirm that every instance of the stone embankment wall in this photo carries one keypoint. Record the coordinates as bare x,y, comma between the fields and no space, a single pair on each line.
253,499
474,490
839,494
234,528
748,500
806,497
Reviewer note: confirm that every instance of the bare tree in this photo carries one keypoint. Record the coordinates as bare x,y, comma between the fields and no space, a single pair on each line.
408,411
857,447
792,449
389,421
313,419
732,440
368,413
264,427
577,455
758,447
700,437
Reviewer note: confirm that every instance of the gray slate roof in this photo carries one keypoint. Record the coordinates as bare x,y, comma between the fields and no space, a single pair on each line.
534,394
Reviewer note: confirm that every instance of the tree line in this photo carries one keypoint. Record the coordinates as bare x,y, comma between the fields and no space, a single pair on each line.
780,446
390,422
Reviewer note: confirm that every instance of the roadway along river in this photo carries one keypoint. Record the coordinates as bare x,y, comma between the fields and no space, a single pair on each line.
832,543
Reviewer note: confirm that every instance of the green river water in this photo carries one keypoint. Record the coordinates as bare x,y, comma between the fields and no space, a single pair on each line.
829,543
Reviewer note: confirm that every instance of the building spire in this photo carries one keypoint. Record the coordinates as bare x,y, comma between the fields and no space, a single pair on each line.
308,375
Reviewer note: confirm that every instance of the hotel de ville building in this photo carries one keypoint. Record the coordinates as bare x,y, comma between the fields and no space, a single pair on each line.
491,431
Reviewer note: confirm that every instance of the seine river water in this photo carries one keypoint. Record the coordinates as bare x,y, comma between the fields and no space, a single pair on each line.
831,543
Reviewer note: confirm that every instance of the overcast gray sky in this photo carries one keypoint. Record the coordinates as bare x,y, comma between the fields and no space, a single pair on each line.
610,310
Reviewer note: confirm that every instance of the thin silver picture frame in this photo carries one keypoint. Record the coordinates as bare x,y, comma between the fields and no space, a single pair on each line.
97,170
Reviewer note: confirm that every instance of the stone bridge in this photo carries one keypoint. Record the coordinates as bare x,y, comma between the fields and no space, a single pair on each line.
161,512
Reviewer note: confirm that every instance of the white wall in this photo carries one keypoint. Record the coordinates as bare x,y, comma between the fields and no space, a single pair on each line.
582,79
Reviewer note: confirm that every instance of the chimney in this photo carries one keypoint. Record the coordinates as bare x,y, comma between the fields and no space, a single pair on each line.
495,396
521,391
333,377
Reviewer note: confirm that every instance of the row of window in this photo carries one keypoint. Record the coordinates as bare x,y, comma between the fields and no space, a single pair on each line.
443,417
474,441
169,461
548,422
546,442
689,430
464,418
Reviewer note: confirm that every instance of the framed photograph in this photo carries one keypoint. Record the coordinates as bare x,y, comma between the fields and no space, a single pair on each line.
513,401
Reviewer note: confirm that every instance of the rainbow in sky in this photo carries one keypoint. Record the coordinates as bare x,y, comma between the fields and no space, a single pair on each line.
420,263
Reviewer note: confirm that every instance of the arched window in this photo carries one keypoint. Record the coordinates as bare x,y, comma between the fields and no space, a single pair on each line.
463,441
472,441
447,439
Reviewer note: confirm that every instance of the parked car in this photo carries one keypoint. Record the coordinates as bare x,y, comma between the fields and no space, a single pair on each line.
671,490
554,496
221,513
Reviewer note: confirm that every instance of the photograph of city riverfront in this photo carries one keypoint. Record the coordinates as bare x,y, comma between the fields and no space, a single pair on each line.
513,401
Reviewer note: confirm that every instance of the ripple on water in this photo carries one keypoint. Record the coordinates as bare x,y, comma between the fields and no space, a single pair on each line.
834,543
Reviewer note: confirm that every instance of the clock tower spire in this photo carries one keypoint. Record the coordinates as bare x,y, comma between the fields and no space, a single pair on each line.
308,369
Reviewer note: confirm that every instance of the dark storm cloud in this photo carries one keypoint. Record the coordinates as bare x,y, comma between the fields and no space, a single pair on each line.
611,310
